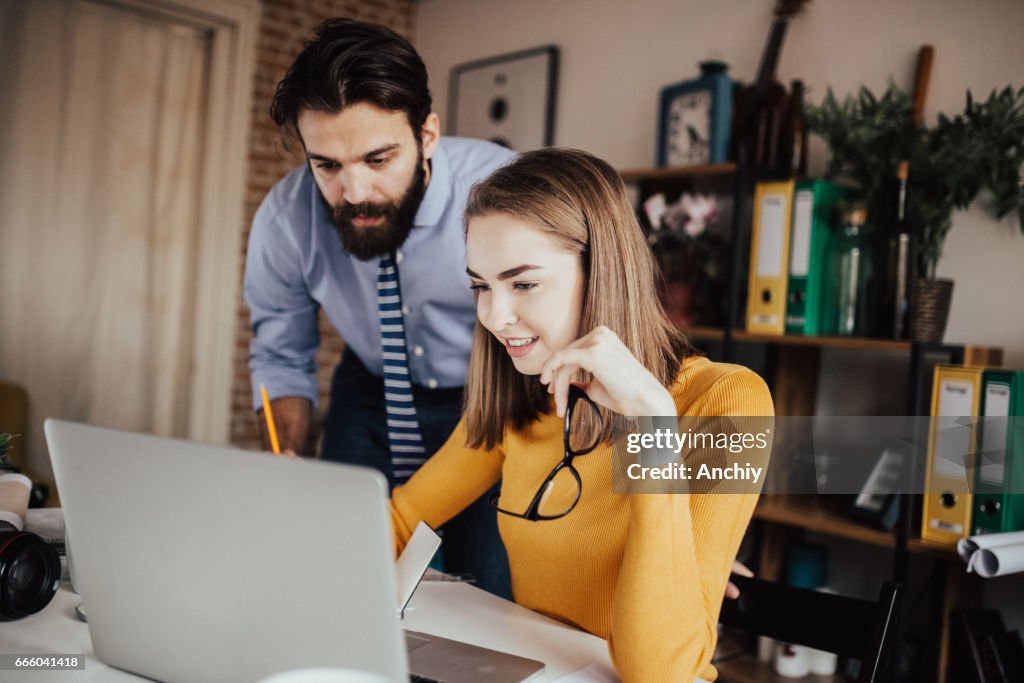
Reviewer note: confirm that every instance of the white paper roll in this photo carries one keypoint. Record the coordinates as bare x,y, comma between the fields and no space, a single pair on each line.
765,649
999,560
993,554
968,546
791,661
821,663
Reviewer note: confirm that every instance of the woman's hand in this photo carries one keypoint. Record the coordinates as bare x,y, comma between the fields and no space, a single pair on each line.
732,591
619,383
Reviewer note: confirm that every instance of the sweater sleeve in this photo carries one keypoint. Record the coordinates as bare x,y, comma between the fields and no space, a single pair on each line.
678,554
444,486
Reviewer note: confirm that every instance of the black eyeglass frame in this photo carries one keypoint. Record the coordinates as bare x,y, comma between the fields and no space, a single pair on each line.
532,513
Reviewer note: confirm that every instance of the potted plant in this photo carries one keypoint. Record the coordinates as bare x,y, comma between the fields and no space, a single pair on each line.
981,148
692,257
5,445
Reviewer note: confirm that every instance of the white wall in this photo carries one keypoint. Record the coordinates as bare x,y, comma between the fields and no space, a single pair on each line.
616,55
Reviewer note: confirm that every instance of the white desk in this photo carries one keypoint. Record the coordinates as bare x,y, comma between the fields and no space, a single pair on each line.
451,610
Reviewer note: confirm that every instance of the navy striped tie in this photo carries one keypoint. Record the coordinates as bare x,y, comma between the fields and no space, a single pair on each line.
404,439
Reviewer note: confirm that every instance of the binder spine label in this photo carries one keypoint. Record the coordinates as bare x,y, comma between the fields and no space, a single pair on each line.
949,527
772,243
803,205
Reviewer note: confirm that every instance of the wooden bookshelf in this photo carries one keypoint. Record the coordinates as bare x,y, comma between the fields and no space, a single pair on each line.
736,664
716,334
748,669
818,519
792,368
635,175
704,333
799,513
919,545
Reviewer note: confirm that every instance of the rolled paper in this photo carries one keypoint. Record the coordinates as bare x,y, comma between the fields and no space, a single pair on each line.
999,560
966,547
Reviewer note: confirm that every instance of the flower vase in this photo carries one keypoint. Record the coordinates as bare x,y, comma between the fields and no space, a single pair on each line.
679,298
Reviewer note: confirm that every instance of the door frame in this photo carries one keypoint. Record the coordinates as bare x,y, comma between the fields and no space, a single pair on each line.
232,27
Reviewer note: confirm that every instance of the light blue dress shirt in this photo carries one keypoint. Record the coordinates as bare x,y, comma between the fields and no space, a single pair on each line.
296,263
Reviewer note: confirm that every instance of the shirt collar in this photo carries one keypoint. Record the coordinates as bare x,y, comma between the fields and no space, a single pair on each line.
439,190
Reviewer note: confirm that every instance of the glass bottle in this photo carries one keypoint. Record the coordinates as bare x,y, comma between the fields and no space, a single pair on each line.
899,245
852,259
796,135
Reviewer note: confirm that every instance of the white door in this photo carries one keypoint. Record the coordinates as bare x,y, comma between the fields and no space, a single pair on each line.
105,122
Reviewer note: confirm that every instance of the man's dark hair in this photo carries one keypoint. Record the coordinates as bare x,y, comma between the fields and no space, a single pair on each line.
346,62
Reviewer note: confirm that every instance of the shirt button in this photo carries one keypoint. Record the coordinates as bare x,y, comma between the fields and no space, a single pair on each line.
432,383
417,350
405,310
398,257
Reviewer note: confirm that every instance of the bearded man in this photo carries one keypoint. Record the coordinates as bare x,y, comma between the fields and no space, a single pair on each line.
370,229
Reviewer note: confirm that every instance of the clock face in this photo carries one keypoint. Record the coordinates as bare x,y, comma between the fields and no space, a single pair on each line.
688,130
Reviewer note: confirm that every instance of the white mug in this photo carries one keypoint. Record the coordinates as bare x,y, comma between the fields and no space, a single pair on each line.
15,490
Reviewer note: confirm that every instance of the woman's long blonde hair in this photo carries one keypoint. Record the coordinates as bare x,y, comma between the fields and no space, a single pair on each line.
580,201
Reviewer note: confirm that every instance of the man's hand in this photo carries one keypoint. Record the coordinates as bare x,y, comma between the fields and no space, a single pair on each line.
291,418
732,591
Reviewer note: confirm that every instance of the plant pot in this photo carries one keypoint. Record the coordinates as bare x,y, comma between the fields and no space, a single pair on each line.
929,309
679,298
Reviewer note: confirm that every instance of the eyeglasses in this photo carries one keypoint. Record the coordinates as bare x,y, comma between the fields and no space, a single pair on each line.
578,421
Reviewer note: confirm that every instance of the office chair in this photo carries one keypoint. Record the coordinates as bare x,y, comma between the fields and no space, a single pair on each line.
849,627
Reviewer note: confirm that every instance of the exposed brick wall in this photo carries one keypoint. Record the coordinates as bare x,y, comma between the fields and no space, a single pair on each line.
284,26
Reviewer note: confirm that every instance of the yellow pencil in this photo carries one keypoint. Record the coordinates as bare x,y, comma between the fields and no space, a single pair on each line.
268,415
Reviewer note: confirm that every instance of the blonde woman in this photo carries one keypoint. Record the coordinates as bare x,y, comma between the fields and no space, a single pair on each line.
569,321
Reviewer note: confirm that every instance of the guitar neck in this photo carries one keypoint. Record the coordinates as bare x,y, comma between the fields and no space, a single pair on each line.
770,59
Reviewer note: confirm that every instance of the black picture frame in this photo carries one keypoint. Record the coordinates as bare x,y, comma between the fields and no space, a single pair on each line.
509,99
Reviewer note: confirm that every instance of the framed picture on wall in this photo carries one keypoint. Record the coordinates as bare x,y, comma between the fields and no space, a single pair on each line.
508,99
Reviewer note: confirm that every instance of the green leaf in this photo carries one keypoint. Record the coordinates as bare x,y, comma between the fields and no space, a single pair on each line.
981,147
5,445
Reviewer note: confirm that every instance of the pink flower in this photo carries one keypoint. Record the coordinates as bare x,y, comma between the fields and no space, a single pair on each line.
701,211
655,207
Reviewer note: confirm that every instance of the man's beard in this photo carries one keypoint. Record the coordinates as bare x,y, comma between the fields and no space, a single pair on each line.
377,240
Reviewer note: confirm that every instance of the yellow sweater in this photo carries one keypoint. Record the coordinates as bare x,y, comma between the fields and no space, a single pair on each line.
645,572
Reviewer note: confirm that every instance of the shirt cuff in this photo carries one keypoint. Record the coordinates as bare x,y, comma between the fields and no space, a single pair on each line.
283,382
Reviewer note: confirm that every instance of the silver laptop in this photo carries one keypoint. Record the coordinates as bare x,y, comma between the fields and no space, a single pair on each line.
200,562
432,658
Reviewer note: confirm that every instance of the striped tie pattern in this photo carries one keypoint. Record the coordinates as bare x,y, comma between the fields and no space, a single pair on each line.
404,439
